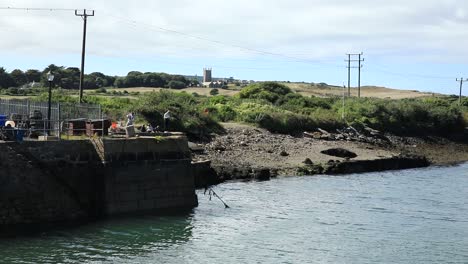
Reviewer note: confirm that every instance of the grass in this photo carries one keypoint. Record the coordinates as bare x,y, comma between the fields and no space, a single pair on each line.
281,108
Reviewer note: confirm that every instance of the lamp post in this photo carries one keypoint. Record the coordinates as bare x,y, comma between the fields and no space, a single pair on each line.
50,78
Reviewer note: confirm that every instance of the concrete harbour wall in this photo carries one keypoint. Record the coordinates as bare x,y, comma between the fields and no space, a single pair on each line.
48,182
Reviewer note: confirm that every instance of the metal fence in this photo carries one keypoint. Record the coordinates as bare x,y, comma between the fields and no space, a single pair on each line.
60,113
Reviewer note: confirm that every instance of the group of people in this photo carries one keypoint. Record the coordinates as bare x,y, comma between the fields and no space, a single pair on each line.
149,128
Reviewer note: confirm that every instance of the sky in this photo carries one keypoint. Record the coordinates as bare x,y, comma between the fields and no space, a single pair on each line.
416,45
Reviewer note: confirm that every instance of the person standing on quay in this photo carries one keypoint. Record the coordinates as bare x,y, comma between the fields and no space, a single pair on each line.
167,117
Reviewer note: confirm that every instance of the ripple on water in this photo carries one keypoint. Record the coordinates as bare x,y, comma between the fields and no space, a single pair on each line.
413,216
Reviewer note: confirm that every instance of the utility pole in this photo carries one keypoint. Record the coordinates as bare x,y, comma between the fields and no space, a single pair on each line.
349,74
359,76
461,86
85,16
349,60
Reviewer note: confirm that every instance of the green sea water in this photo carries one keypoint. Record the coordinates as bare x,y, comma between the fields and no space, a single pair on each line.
411,216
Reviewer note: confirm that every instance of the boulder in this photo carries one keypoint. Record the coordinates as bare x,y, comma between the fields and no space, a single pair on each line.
261,174
339,152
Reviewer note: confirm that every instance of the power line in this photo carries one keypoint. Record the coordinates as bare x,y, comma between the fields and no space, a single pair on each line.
136,23
222,43
408,74
36,9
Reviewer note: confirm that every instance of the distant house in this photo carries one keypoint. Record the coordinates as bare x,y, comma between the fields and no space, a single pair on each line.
215,84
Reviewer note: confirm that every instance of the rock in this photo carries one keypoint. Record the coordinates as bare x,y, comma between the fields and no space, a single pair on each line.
284,153
339,152
196,147
308,162
219,147
307,134
261,174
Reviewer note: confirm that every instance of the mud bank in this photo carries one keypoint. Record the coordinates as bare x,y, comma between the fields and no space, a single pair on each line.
247,152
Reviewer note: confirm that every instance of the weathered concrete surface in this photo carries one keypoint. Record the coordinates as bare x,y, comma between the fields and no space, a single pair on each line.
44,182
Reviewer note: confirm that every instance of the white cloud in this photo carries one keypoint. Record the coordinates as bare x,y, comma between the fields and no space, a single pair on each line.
314,29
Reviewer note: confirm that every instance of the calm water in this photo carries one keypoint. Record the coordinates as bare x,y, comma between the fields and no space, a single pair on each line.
415,216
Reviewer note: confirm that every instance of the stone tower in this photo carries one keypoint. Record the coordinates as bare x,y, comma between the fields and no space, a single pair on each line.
207,75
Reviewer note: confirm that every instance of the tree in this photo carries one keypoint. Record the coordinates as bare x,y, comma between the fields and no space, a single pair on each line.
100,79
33,75
5,79
70,78
180,78
101,82
18,77
153,80
119,82
89,82
176,85
56,70
194,82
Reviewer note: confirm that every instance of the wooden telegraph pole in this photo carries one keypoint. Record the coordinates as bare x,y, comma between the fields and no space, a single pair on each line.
85,16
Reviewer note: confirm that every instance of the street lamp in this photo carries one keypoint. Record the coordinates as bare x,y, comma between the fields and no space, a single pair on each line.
50,78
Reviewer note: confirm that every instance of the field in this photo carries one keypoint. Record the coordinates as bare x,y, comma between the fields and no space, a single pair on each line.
305,89
198,90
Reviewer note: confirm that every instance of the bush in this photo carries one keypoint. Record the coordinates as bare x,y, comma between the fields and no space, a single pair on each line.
214,91
407,116
187,112
101,90
269,91
176,85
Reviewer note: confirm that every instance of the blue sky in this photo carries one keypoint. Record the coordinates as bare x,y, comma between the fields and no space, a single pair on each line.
417,45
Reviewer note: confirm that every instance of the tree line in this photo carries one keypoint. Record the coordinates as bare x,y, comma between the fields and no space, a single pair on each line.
69,78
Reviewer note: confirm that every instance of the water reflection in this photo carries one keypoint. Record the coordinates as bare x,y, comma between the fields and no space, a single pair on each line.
413,216
102,241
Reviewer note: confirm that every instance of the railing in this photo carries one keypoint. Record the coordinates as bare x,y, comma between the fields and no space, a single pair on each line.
31,118
55,129
58,111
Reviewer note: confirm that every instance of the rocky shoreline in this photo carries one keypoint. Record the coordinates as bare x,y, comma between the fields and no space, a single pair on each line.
247,152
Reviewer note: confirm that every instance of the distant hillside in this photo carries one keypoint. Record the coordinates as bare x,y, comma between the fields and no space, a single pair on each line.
306,89
325,90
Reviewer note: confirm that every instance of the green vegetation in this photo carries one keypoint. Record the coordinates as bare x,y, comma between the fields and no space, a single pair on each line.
275,107
69,78
187,112
214,91
279,109
151,79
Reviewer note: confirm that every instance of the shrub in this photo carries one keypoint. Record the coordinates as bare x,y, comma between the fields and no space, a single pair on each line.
214,91
176,85
101,90
269,91
187,112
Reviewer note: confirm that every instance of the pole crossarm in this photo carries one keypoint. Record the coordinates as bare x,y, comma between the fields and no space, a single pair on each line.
84,13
